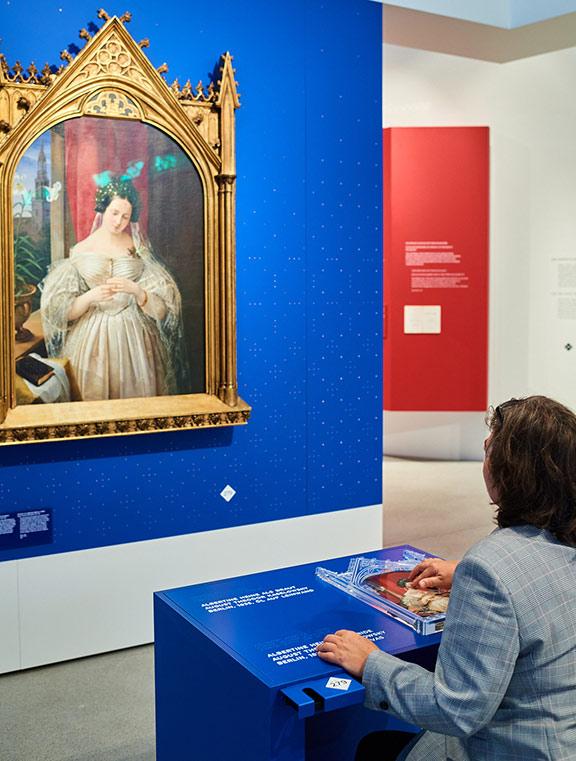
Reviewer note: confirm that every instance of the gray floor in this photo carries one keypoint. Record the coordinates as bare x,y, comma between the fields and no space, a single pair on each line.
101,708
441,507
92,709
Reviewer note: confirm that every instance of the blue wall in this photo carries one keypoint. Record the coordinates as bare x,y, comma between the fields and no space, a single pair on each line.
309,282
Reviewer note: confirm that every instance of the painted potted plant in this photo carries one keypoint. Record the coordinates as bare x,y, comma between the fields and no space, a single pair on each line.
30,263
28,271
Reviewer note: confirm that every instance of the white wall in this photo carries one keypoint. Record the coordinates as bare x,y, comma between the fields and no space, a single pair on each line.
531,11
502,13
530,108
496,12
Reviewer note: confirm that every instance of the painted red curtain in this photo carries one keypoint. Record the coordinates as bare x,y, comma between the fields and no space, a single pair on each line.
94,146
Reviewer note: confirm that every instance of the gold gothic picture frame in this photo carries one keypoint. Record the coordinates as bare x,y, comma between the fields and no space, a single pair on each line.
117,231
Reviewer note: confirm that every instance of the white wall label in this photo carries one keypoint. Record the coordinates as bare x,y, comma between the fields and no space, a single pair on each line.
338,684
420,318
27,528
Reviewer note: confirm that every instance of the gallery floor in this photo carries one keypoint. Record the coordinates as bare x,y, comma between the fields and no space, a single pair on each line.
101,708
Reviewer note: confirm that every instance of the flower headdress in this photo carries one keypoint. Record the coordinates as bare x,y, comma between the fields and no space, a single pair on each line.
109,186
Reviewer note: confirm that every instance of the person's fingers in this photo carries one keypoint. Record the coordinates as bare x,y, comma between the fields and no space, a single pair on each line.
418,569
329,651
428,571
329,656
430,581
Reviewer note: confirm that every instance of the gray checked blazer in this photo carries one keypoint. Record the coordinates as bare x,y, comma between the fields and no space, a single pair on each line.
504,688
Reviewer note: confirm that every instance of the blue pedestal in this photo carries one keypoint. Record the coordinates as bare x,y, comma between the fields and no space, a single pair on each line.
237,676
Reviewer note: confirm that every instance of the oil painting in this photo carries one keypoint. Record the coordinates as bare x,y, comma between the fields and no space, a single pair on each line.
108,252
117,245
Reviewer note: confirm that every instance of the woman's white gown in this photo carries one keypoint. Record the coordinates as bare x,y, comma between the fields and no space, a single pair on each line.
117,349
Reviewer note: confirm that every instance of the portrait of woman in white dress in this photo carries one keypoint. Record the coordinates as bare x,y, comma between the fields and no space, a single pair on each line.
112,309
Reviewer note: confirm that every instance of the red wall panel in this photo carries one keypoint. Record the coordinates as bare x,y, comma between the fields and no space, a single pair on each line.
436,222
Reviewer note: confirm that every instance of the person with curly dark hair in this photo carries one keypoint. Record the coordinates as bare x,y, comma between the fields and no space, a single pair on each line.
112,308
118,188
504,686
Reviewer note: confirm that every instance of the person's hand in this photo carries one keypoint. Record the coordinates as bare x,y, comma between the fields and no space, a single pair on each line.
125,285
95,295
346,649
99,293
433,572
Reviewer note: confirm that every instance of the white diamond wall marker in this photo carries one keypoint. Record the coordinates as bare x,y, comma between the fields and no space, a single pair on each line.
227,493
